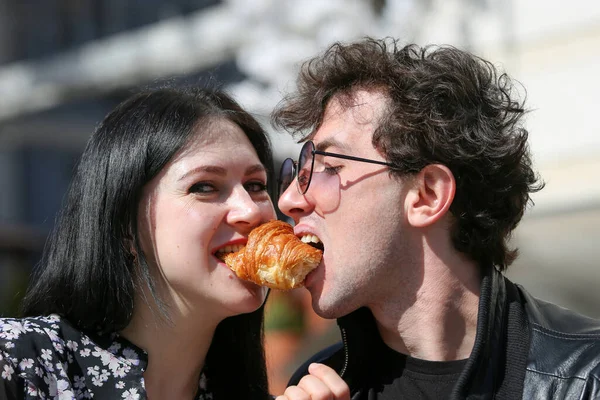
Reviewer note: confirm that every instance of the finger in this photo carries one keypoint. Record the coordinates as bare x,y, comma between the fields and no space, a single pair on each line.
316,389
329,377
294,393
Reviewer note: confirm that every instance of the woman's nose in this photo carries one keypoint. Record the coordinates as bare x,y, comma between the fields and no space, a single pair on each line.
244,210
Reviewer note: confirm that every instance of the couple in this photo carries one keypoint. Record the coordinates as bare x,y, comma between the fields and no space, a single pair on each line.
414,172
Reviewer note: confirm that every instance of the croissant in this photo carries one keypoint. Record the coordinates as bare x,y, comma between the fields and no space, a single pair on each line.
274,257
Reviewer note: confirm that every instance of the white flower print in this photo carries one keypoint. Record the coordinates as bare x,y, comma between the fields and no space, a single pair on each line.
94,371
121,371
50,353
7,372
97,381
131,394
63,391
203,382
26,363
12,329
108,359
78,382
71,345
132,356
58,345
85,352
104,375
46,354
48,365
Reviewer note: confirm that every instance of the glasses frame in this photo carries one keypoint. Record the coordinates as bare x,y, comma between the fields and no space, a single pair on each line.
296,168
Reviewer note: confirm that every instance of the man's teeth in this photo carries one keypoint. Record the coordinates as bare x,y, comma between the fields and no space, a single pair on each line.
310,239
230,249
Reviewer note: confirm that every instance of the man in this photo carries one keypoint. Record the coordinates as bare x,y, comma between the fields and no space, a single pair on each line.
414,174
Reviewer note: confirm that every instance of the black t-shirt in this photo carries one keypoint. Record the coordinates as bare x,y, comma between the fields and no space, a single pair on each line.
397,376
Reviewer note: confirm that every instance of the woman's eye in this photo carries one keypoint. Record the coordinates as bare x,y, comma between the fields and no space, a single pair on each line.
202,188
255,187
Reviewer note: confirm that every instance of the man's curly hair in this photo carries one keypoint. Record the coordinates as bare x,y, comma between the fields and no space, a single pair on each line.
445,106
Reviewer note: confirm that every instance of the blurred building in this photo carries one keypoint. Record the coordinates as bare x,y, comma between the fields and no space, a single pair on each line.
65,63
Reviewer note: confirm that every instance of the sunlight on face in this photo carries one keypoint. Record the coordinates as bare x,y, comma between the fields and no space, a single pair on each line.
210,195
354,208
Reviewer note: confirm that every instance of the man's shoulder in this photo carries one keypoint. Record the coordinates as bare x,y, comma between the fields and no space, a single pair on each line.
560,322
564,343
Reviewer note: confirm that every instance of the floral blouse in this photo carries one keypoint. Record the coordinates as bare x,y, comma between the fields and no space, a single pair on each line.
47,358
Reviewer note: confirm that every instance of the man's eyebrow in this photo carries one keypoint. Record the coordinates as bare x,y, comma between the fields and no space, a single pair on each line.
331,142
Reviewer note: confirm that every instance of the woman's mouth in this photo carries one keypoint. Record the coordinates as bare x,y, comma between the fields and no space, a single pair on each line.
223,251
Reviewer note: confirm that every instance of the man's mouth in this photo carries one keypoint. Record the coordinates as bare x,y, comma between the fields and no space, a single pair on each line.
313,241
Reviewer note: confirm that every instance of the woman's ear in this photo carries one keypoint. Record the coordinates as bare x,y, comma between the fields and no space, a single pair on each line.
129,244
431,195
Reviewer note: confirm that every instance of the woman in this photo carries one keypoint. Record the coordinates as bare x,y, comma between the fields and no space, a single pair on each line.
130,301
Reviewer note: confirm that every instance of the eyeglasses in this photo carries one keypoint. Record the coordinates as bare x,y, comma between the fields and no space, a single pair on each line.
300,170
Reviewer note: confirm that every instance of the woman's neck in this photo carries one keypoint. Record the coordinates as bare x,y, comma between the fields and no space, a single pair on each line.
176,350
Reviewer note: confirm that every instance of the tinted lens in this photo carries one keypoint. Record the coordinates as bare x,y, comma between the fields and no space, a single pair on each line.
286,175
305,164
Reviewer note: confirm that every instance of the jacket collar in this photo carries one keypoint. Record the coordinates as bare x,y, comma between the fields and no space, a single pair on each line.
486,369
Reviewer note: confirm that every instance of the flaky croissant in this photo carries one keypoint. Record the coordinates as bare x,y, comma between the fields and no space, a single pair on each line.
274,257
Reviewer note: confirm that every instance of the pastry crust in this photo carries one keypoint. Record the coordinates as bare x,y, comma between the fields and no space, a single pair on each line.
274,257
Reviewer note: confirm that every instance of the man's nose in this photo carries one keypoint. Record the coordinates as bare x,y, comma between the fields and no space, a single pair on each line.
292,203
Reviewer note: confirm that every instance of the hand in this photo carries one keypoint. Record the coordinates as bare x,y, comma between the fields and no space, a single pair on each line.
322,383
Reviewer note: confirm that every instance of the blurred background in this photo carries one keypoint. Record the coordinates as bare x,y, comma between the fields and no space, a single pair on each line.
65,63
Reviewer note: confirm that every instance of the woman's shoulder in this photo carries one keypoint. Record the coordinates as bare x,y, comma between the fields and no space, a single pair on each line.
43,353
33,337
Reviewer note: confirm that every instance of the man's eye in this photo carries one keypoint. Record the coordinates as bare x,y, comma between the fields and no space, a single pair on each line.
331,170
302,179
202,187
255,187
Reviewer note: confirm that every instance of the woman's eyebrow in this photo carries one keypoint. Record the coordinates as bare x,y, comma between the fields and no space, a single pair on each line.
220,171
255,168
213,169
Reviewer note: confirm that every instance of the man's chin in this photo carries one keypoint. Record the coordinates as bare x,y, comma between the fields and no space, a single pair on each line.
325,310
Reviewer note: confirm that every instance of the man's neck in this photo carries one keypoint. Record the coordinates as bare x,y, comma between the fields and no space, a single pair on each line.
441,323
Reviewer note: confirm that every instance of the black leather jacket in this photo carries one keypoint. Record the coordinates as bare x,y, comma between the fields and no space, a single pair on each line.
524,349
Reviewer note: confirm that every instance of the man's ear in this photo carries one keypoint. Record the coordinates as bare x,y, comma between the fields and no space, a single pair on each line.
431,195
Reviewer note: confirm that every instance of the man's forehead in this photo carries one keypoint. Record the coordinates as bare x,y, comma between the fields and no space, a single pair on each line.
350,121
366,106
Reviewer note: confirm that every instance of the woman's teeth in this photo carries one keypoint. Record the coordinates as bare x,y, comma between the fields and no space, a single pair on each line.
230,249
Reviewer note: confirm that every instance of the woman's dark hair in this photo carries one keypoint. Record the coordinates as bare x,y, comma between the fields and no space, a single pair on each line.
88,274
445,106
